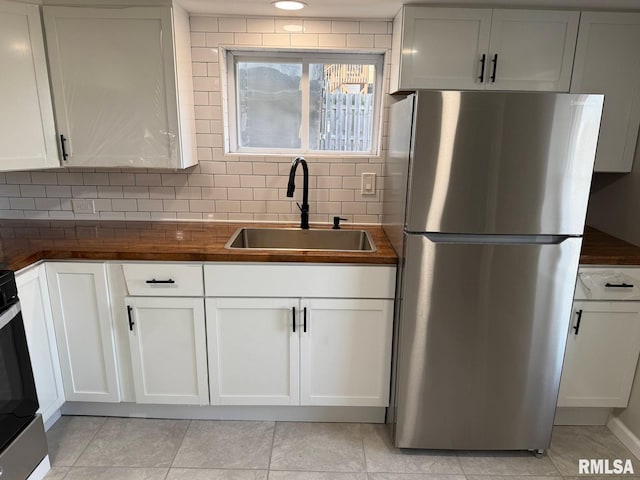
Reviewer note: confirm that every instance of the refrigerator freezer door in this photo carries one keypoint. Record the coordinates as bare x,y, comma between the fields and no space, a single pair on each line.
505,163
482,333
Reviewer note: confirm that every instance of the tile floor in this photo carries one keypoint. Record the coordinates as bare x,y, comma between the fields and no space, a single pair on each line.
143,449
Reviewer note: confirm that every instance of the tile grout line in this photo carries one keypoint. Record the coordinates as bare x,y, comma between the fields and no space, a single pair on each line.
184,435
364,451
88,443
273,440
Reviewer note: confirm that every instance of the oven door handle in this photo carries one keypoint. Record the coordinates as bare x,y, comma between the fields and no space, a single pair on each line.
9,314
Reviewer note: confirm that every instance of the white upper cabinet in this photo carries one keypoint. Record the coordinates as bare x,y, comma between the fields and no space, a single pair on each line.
607,62
27,130
441,47
122,86
477,49
531,50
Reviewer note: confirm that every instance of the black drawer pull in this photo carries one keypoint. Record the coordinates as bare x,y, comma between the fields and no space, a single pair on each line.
65,155
293,309
305,320
483,60
618,285
576,327
495,66
154,281
131,322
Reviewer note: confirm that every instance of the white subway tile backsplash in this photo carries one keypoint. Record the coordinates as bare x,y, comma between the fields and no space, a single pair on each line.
110,192
254,39
317,26
18,178
150,205
60,191
32,191
22,203
162,192
275,40
374,27
204,24
222,186
232,24
304,40
44,178
124,205
337,40
359,41
135,192
261,25
240,194
338,26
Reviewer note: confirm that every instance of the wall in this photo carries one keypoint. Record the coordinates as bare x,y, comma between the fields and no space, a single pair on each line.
243,188
613,203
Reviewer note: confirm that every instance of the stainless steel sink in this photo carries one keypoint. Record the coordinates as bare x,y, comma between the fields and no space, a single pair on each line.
298,239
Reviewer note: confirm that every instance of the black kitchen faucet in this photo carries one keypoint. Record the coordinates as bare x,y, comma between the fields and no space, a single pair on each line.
304,208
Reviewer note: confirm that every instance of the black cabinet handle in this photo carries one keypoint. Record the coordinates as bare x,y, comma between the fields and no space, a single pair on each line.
293,309
64,149
304,327
618,285
161,281
131,322
483,60
576,327
495,66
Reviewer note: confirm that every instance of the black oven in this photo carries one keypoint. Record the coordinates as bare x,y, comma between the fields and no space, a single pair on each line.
22,441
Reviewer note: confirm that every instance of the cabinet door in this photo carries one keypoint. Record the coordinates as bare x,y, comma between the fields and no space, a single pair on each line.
168,350
607,62
114,87
253,351
82,320
443,47
38,324
27,130
346,352
601,357
534,50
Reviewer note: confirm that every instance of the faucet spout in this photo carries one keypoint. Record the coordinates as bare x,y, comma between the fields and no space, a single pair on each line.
291,186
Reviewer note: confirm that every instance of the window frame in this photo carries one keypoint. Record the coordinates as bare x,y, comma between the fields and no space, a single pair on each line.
305,57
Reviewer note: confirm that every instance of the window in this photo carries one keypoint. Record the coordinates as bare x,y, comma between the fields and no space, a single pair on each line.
304,102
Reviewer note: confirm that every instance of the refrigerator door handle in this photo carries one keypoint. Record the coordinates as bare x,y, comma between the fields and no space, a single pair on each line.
496,239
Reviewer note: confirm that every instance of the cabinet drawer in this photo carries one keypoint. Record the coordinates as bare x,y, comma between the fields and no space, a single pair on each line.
299,280
163,279
602,283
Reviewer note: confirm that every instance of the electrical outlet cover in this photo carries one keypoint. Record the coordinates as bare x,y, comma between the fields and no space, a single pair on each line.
368,184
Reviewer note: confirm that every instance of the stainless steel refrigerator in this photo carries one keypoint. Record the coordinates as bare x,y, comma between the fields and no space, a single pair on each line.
485,202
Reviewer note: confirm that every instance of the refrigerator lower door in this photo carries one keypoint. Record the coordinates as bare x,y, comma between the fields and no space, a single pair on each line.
482,333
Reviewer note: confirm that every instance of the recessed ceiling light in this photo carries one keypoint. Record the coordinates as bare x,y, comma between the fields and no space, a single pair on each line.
289,5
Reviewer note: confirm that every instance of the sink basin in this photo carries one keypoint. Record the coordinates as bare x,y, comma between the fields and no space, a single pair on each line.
298,239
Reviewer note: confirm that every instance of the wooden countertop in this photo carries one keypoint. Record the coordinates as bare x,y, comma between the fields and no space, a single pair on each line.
24,242
599,248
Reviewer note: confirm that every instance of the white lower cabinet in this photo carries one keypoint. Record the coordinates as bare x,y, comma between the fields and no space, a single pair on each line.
345,352
38,324
290,351
84,333
253,351
601,355
168,350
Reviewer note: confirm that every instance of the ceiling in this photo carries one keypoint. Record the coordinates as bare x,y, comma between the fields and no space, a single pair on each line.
381,8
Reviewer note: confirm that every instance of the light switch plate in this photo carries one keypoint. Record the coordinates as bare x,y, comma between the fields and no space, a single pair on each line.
81,205
368,184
